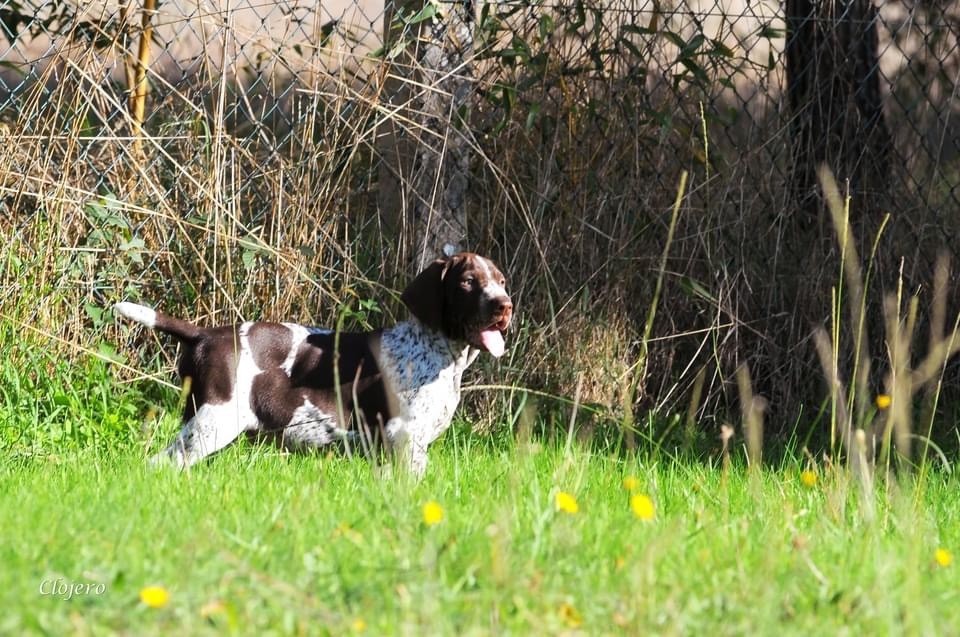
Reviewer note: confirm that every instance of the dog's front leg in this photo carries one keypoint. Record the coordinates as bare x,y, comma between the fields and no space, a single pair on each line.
407,448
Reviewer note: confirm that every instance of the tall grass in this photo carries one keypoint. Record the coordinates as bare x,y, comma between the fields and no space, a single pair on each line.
878,426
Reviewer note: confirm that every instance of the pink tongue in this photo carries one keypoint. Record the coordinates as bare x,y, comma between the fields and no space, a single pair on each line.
492,341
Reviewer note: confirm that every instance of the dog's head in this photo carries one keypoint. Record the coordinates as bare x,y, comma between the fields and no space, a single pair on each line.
465,298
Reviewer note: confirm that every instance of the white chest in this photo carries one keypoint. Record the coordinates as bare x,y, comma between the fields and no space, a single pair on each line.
422,372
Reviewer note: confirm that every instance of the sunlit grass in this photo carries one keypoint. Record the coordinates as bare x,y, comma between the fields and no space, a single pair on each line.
257,540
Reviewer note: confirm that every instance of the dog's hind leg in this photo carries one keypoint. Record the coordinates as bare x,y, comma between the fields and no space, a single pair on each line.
211,429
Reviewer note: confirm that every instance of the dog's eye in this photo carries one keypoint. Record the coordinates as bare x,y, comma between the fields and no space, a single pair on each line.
468,282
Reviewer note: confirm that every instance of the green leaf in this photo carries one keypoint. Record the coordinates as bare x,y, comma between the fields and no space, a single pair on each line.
693,45
248,257
532,115
546,26
251,242
397,48
676,39
695,288
630,46
134,243
109,352
694,68
770,32
95,312
581,18
637,29
721,49
428,11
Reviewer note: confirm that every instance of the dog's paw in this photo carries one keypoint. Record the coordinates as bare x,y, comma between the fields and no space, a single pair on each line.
167,459
384,471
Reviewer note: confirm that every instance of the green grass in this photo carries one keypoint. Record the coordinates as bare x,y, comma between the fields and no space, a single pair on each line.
312,544
256,542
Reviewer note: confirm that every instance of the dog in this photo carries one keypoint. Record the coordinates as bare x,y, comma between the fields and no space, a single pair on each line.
308,387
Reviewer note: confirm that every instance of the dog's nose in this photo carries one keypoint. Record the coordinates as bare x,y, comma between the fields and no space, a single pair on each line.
503,311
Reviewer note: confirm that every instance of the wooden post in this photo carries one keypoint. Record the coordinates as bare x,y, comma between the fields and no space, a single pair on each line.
140,86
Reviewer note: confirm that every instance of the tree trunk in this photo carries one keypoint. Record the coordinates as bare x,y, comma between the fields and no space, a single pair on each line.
833,88
425,175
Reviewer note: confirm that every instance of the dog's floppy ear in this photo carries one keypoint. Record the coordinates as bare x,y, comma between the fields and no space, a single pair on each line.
424,296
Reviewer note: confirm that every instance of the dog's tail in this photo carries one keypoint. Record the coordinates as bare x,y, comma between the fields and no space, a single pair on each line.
183,330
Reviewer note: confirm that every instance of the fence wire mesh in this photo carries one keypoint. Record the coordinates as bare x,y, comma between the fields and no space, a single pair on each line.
261,63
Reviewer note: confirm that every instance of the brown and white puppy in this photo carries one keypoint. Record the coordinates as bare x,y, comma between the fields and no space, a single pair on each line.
400,385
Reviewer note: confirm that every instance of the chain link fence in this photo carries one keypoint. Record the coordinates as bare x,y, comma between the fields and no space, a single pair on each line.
719,61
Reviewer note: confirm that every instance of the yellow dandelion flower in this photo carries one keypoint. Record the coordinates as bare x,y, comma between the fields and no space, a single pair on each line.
630,483
569,615
432,513
643,506
154,596
808,478
566,502
883,401
943,557
358,625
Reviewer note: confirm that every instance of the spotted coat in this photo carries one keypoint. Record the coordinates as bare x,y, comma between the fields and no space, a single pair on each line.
308,387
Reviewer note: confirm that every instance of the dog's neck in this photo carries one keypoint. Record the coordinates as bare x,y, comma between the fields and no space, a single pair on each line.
454,352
